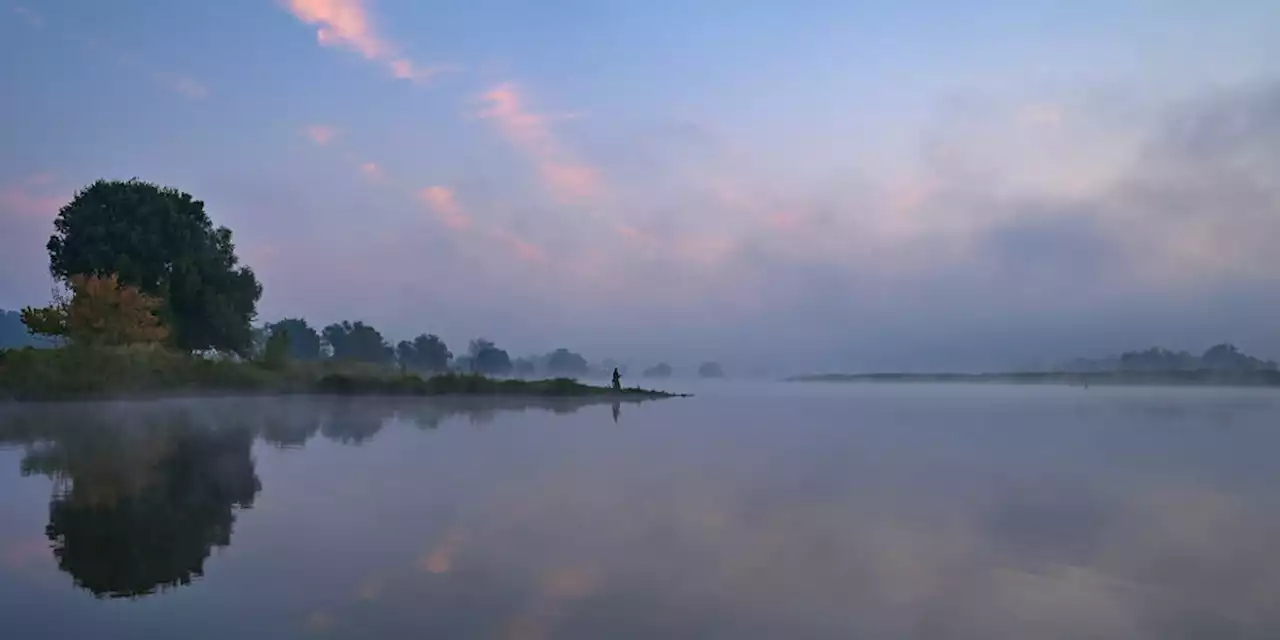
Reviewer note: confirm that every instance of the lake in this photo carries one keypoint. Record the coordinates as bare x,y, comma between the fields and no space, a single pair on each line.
752,510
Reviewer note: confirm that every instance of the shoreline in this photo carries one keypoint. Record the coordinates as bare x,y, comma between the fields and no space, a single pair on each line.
70,374
1187,378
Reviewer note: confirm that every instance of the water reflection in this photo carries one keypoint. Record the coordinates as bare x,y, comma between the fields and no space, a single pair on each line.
1034,514
143,492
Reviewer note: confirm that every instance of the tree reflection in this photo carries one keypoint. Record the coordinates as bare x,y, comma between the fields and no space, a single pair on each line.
139,507
143,492
353,422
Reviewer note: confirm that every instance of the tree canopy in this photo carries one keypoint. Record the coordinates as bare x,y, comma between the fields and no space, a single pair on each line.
488,359
303,340
661,370
357,342
426,352
563,362
14,334
1221,357
160,240
99,311
525,367
710,370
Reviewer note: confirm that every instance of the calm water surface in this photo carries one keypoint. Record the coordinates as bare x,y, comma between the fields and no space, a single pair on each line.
750,511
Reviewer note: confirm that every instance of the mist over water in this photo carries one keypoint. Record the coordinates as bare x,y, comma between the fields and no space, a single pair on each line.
750,510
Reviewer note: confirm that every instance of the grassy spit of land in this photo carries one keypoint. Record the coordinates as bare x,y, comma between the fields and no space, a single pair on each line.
1200,377
76,373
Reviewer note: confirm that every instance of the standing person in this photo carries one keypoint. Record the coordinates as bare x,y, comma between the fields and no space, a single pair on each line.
617,380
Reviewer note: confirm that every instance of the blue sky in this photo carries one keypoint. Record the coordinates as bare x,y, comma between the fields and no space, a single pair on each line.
816,184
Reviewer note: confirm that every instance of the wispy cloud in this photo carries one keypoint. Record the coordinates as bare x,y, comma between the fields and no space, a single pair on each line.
372,171
182,84
445,207
320,134
1041,115
523,249
31,197
347,24
28,16
566,178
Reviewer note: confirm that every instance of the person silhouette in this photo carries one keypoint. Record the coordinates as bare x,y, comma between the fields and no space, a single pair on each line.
617,380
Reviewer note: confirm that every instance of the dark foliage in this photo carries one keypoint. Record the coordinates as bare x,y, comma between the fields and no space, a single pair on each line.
426,353
563,362
14,334
160,240
303,340
489,360
357,342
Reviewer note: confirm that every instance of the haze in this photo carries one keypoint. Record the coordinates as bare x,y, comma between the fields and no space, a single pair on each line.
808,185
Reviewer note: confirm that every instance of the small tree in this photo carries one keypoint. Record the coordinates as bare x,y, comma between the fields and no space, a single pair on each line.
357,342
426,353
304,341
488,359
99,312
275,355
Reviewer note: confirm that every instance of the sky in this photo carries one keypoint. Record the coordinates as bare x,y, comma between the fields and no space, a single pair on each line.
798,186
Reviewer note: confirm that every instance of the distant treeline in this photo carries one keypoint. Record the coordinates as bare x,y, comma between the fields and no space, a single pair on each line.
427,353
14,334
1178,377
1219,358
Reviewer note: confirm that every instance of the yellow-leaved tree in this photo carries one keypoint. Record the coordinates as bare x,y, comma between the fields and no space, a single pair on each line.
99,312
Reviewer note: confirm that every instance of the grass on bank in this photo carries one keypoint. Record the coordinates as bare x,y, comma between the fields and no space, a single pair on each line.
81,372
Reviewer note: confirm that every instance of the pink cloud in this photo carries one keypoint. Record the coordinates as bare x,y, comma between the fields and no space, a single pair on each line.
445,206
571,181
29,198
320,133
182,84
262,255
566,179
523,249
784,220
346,24
372,171
20,553
341,23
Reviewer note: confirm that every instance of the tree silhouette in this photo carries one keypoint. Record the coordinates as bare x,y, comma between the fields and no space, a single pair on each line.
304,341
161,241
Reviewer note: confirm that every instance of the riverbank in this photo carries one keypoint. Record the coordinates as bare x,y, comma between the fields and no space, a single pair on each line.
1199,377
82,374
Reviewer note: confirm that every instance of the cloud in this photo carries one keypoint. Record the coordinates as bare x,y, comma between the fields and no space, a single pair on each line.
372,171
182,84
346,24
567,179
31,197
27,15
445,206
1041,115
320,134
521,248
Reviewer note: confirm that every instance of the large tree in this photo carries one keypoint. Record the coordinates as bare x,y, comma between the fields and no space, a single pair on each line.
160,240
